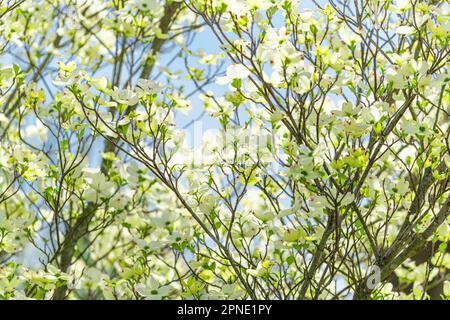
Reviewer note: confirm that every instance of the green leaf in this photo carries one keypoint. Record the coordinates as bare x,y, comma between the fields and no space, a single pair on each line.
64,145
290,260
236,83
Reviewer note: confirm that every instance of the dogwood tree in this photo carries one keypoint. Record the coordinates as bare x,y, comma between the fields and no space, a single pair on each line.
325,174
